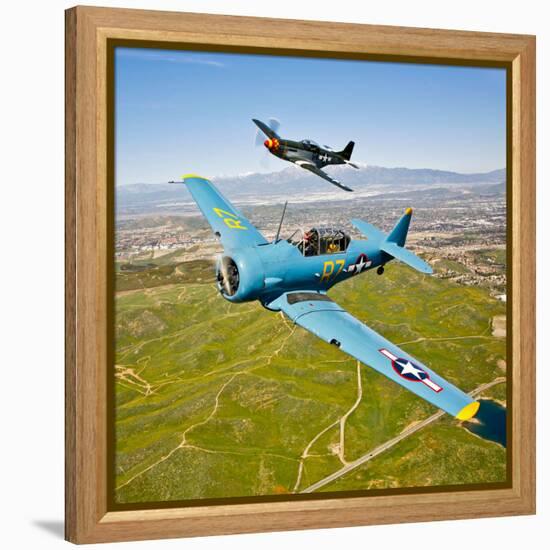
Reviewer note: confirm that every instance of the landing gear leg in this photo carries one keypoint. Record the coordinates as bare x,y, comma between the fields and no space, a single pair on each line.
380,270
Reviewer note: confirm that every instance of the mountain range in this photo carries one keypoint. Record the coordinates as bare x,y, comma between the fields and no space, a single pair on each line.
294,181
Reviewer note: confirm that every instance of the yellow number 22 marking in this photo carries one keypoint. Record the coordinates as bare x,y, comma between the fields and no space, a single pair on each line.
328,269
231,220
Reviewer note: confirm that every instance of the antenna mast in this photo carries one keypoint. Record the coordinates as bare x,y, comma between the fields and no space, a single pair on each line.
281,223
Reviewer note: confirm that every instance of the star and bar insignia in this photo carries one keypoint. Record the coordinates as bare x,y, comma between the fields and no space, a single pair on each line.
361,263
410,371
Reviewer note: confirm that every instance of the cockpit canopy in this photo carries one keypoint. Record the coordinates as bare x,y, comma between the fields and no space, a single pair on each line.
310,144
320,240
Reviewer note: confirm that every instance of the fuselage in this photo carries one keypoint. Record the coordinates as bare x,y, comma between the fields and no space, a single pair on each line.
306,150
265,271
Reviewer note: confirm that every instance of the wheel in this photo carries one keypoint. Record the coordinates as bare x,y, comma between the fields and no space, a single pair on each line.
380,270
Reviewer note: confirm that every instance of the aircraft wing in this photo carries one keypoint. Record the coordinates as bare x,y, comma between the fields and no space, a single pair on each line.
320,315
317,171
227,223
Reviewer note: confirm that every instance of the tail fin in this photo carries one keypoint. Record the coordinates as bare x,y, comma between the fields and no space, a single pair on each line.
398,234
393,243
347,151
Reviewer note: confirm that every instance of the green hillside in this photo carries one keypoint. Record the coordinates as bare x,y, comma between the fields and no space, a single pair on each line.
217,400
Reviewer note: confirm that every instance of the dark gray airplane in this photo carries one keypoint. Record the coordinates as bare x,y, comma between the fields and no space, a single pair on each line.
306,153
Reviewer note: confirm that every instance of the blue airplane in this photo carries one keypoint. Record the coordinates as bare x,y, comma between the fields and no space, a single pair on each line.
293,276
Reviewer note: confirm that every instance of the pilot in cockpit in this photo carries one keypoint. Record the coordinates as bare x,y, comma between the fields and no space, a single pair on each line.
333,248
310,244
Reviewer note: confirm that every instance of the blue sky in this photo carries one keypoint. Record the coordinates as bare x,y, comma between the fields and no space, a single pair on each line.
179,112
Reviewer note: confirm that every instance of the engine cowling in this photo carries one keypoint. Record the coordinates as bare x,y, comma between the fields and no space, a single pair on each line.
240,276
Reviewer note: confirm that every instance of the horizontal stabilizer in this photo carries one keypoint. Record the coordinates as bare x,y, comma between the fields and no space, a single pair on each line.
372,233
405,256
393,243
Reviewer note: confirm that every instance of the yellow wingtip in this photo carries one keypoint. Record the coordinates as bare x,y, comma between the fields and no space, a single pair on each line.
189,176
409,211
469,411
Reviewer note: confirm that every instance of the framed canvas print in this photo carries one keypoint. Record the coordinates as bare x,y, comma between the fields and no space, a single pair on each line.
300,263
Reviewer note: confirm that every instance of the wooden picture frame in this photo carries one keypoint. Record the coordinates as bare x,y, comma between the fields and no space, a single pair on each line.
89,32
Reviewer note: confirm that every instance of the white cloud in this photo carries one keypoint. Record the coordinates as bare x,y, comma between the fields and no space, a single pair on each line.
168,57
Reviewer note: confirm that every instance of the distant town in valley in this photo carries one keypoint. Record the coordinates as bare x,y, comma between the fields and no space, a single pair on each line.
458,223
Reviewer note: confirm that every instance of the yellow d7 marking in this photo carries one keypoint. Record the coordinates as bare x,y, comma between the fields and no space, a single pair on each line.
231,220
328,269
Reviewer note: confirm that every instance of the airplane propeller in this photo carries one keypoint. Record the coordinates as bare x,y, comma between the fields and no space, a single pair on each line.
259,139
226,283
221,270
228,276
274,124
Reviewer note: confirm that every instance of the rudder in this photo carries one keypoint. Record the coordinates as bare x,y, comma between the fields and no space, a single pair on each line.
347,151
398,234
